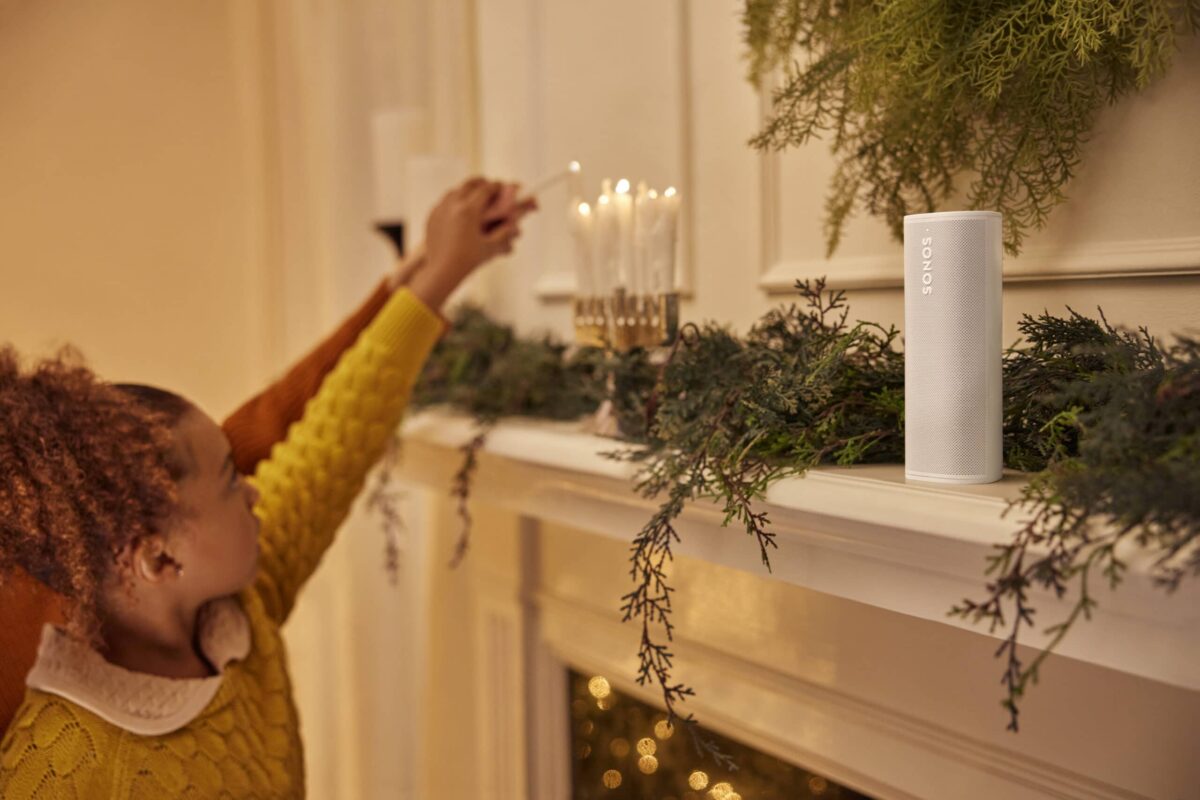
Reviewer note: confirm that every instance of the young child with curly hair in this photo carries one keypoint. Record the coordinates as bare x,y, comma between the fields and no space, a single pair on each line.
170,679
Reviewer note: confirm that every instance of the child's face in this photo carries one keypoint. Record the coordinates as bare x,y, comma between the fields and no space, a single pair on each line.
215,535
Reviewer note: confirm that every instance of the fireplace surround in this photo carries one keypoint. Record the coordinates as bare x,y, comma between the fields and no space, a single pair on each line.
842,661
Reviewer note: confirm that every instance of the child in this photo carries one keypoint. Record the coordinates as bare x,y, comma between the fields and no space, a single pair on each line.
172,680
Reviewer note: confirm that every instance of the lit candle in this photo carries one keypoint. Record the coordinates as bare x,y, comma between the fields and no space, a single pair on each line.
581,227
604,242
623,206
664,240
644,208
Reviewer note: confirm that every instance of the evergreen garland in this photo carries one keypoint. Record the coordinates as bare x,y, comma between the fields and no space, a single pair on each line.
1105,420
914,94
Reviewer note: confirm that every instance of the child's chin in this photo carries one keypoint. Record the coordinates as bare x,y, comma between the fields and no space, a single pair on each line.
246,575
251,571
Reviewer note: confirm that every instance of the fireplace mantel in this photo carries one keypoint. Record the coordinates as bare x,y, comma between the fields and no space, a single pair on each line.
859,533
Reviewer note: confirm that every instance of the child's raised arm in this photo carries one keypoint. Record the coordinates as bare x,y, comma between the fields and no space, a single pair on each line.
311,479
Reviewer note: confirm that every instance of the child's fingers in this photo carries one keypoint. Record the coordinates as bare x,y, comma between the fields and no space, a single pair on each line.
481,195
502,238
525,206
502,206
469,185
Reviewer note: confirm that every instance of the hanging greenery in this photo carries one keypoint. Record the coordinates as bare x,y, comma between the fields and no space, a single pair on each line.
914,95
1105,420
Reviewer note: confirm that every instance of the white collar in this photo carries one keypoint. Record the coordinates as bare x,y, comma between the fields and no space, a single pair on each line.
149,705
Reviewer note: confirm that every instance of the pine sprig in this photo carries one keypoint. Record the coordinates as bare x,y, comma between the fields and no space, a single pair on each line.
384,498
915,95
1119,432
733,416
460,490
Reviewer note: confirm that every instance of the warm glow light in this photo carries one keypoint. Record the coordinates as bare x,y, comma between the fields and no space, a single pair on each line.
670,192
663,729
605,703
574,166
585,209
619,748
698,780
599,687
647,746
648,764
653,195
733,796
622,186
817,784
721,791
603,200
612,779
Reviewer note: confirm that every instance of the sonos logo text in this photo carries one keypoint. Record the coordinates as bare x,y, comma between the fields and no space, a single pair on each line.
927,265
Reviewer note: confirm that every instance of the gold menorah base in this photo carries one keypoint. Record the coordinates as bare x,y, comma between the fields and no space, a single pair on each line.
624,322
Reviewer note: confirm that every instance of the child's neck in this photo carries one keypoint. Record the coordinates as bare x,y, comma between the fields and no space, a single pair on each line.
156,641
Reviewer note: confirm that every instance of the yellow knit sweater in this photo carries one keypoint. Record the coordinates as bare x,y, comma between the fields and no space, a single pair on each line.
242,739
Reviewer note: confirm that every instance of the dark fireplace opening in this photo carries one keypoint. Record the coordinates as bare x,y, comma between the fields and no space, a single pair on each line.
623,748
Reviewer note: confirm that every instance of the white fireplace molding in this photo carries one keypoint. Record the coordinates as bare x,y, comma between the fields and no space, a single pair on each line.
859,533
805,723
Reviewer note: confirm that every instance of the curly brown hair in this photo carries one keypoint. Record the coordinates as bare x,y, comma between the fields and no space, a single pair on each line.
87,469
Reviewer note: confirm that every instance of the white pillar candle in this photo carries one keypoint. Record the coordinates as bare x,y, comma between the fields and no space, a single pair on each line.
581,223
623,205
664,241
604,241
643,224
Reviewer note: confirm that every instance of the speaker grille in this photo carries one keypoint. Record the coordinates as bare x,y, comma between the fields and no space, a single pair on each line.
952,347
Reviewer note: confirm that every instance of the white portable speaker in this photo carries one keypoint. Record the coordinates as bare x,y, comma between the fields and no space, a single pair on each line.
952,348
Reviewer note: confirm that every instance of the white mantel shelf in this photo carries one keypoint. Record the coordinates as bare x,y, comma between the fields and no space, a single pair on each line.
861,533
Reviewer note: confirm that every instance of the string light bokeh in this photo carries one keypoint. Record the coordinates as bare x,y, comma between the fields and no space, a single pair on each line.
623,748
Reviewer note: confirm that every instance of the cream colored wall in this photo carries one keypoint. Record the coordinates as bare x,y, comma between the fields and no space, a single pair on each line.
129,192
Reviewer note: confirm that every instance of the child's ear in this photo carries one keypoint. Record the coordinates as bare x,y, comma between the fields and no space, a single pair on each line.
151,561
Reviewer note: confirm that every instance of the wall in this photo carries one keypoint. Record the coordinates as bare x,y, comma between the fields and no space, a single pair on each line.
129,193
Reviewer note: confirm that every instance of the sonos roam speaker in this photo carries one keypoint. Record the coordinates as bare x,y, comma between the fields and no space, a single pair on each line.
952,349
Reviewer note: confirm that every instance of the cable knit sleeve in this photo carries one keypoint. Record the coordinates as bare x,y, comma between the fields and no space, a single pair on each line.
264,419
311,479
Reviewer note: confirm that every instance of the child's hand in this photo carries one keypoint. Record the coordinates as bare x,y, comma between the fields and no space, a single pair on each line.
507,206
456,240
471,225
